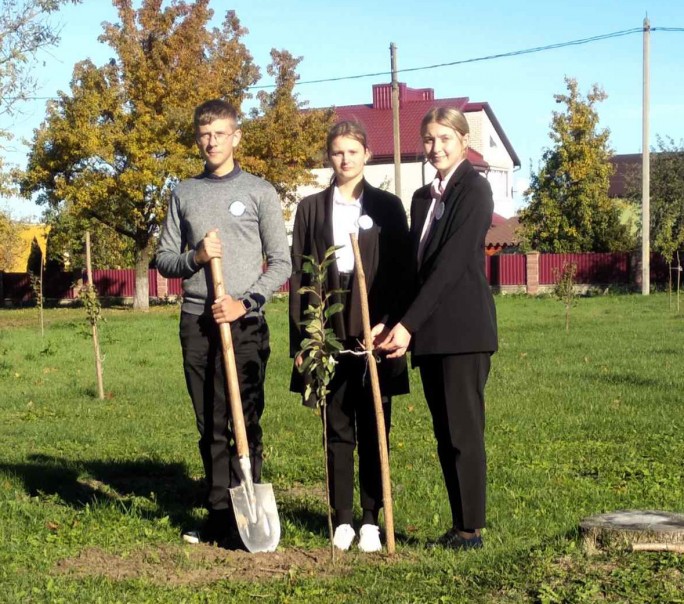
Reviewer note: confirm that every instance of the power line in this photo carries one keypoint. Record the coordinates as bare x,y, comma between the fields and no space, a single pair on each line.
514,53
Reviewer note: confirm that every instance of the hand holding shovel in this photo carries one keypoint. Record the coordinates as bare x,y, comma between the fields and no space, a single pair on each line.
254,504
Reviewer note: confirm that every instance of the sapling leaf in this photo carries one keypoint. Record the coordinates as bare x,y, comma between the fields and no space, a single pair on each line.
307,290
333,309
336,344
330,253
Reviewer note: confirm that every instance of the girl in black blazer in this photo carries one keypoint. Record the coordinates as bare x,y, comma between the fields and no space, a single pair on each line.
451,322
325,219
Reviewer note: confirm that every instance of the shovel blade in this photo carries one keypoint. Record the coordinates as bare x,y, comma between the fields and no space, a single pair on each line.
260,530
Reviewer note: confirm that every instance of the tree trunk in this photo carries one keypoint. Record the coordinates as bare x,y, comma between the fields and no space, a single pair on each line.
141,299
633,527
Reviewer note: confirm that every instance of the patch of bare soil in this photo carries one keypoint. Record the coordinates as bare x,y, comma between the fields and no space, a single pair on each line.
203,564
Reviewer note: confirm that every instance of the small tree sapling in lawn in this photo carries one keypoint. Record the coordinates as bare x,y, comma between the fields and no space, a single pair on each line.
564,288
88,296
319,348
678,268
37,288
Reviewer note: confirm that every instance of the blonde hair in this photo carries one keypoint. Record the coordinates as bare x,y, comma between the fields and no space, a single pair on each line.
447,116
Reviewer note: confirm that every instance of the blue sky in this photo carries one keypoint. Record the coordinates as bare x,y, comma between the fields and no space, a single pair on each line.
353,37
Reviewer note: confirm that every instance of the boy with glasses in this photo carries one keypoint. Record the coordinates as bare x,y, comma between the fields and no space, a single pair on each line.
245,212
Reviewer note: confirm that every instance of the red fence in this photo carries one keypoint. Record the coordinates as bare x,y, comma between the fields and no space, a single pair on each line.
503,271
120,283
591,268
506,269
110,283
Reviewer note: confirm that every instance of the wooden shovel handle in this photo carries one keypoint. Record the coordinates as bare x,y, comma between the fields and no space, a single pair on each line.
377,397
229,366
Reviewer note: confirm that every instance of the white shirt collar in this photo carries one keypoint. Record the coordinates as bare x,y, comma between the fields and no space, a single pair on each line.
340,199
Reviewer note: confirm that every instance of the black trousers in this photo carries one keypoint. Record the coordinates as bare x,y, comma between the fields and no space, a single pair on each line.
205,379
351,422
454,389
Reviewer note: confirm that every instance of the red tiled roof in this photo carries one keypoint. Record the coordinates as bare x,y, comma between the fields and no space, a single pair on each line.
413,105
497,219
503,234
477,160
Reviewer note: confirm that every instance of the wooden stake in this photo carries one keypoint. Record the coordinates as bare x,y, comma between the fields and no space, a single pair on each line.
41,297
679,278
377,397
677,548
96,342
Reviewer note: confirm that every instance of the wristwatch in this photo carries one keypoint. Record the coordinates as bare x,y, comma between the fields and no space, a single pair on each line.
248,304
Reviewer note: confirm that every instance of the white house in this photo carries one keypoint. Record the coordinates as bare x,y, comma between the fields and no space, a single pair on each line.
490,150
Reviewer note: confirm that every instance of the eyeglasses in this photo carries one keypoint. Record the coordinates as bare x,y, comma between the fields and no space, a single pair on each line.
218,137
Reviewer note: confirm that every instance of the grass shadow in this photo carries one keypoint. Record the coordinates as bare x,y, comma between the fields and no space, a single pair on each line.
81,483
306,514
627,379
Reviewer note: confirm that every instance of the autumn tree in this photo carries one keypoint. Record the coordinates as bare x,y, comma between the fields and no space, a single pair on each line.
25,29
9,240
568,205
114,147
283,141
66,245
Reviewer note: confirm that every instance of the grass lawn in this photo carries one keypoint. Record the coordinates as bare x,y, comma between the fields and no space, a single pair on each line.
94,494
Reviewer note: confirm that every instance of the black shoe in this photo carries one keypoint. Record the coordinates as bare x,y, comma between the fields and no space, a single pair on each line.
452,540
218,529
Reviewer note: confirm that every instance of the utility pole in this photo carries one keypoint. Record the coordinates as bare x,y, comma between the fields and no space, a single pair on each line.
395,121
646,170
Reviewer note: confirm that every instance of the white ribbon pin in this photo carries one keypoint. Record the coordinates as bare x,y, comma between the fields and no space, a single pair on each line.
365,222
237,208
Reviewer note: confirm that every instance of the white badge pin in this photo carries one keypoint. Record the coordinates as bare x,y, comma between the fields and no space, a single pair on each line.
439,212
365,222
237,208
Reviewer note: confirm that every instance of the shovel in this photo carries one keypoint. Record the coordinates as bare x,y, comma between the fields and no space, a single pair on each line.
254,504
377,397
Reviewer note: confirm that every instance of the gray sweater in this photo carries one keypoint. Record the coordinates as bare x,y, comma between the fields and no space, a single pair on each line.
247,213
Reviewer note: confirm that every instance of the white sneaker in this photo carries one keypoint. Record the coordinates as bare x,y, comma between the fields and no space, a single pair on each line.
344,535
192,537
369,538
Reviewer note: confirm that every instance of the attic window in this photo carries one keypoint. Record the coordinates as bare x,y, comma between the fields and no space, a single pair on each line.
492,143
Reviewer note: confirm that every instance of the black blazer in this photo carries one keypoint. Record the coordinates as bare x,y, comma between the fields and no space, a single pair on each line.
385,252
453,308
